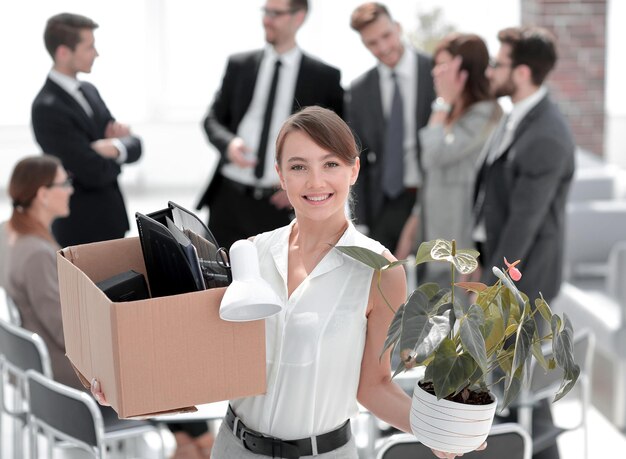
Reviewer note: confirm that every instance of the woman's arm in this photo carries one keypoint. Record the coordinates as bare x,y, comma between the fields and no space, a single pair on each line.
377,392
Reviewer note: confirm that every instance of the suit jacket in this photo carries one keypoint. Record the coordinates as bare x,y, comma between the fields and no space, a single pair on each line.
367,120
32,282
524,203
63,129
316,84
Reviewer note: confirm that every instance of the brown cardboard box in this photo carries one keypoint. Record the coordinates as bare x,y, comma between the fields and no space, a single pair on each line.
154,355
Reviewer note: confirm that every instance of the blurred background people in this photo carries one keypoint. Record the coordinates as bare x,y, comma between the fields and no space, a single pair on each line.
259,91
71,121
386,107
525,176
463,117
40,191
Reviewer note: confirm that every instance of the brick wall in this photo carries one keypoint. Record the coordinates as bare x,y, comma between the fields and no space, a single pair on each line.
578,82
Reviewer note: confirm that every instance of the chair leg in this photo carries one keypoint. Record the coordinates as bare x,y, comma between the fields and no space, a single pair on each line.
32,437
619,407
18,440
585,395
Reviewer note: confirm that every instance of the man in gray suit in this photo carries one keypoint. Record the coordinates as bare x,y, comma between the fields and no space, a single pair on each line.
524,179
387,106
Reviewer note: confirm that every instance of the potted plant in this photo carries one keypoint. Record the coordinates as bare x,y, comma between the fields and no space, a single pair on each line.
466,349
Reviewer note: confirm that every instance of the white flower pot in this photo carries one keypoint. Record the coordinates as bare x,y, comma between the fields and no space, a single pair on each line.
450,426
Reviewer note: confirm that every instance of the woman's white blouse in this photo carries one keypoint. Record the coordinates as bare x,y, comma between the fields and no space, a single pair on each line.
315,344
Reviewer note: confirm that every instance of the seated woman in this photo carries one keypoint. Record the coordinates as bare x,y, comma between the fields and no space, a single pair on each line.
40,190
463,117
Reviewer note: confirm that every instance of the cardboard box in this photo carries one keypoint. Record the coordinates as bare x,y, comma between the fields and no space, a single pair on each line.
156,355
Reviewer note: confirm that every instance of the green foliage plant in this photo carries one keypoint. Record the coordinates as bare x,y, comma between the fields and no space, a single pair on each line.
467,348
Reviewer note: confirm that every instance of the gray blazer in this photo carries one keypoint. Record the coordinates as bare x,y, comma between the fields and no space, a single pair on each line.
524,207
449,160
32,282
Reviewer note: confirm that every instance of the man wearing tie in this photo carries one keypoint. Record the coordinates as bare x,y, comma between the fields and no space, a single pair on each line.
524,178
260,89
71,121
387,106
527,169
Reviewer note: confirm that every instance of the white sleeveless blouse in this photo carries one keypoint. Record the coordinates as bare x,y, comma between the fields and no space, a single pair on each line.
315,344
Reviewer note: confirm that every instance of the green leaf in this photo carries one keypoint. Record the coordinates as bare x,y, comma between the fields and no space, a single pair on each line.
543,308
366,256
422,329
471,336
393,264
563,349
523,341
513,386
494,328
393,332
423,253
430,289
538,354
450,369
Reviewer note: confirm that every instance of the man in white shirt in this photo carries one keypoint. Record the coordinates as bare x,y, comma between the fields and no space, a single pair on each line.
71,121
386,123
260,89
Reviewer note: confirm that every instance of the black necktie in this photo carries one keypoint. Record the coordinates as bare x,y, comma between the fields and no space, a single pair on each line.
90,105
393,165
267,120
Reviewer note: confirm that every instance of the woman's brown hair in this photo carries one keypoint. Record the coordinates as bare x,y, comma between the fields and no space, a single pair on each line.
475,56
325,128
30,174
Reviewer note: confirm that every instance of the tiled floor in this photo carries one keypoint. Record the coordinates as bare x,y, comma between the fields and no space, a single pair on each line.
604,439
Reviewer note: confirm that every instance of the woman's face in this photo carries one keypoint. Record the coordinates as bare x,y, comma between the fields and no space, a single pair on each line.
56,196
317,181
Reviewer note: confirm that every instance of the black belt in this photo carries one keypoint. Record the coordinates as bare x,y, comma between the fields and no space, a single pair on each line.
291,449
255,192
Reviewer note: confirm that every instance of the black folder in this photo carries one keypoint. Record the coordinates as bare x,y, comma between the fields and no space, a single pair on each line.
171,240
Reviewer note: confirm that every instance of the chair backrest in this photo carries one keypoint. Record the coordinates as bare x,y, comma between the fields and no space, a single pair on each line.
8,309
23,350
506,440
81,422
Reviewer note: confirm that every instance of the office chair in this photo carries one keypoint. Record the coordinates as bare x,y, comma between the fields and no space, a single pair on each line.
20,350
507,440
82,423
544,385
8,309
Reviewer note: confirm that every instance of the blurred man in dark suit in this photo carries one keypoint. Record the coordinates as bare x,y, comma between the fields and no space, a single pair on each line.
524,178
387,107
71,121
259,91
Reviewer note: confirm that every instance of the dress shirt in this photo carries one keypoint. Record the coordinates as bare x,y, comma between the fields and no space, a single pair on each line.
71,86
406,73
250,127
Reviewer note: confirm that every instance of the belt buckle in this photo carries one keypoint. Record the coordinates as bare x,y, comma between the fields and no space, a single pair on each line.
273,446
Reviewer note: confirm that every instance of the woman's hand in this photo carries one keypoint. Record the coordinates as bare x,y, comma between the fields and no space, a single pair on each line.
444,455
97,393
450,80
